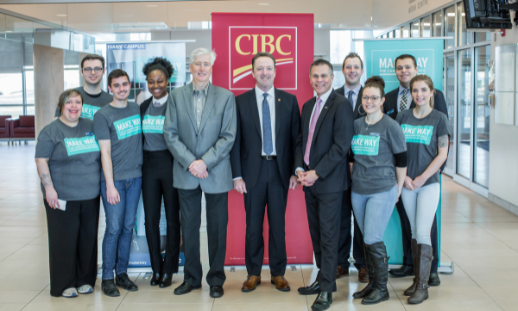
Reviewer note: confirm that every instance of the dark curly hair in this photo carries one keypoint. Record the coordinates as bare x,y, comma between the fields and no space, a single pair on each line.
376,82
159,63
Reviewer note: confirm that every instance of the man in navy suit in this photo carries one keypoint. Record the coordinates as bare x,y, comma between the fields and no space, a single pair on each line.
323,169
352,68
396,101
268,124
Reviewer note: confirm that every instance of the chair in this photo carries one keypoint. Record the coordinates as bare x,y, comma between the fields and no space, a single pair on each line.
5,129
22,128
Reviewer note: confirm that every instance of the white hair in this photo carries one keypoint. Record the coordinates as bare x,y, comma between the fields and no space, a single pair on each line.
202,51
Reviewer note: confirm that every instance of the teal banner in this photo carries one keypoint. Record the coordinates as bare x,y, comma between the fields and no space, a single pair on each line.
380,56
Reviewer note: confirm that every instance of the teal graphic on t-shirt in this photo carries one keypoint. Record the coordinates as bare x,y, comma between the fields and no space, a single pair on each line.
81,145
366,145
153,124
88,111
421,134
128,127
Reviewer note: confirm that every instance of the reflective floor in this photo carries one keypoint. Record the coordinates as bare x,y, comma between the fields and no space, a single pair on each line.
478,236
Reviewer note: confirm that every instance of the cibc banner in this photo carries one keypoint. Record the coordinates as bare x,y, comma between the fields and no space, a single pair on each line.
236,38
380,57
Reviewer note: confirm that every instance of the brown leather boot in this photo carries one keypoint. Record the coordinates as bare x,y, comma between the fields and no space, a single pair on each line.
409,291
281,283
425,254
251,283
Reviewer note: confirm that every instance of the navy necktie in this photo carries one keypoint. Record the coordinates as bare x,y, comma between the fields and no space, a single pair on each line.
350,98
267,127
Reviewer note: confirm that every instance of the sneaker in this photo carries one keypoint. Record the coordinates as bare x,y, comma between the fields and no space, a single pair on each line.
85,289
69,293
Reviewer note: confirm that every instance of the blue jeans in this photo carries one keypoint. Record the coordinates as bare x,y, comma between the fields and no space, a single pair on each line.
373,212
120,221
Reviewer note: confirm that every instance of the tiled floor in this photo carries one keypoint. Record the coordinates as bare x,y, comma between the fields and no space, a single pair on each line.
478,236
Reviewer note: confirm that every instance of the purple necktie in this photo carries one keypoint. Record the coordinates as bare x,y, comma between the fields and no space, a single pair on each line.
314,120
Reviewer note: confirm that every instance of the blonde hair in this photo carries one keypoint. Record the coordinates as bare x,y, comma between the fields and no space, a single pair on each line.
65,96
426,79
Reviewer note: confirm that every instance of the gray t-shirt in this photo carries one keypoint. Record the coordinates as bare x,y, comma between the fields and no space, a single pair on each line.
91,103
122,126
421,137
374,146
153,128
74,159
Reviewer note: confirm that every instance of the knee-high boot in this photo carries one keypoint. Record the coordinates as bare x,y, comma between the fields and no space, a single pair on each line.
415,258
367,289
379,260
425,256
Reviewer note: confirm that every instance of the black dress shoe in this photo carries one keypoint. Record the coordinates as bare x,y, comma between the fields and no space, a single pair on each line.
402,272
124,282
323,301
216,291
155,279
185,288
311,289
166,280
434,279
109,288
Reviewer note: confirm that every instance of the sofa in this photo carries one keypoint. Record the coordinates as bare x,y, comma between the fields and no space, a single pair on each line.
22,128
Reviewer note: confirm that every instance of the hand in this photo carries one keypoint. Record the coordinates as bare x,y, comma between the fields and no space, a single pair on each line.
112,195
300,175
418,182
52,198
198,168
293,182
204,175
408,183
308,178
239,185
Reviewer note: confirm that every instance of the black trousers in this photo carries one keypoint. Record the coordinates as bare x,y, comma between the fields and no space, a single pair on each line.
324,227
72,244
406,233
345,241
217,220
157,183
267,192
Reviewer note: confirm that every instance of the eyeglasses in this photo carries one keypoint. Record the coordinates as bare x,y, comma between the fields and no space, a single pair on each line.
96,69
372,98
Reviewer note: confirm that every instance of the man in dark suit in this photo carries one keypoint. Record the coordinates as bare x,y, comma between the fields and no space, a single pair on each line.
322,167
268,124
395,101
352,68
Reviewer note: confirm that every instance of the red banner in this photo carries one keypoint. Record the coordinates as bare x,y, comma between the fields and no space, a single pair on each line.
236,38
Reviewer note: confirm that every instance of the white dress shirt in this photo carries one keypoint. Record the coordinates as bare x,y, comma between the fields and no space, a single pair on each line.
159,102
271,103
356,90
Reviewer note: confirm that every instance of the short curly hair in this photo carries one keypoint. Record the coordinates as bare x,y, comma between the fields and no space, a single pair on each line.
159,63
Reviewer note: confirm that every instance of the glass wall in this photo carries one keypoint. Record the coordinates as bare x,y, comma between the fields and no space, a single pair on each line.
405,31
449,93
449,27
482,114
437,24
464,37
464,113
415,29
426,26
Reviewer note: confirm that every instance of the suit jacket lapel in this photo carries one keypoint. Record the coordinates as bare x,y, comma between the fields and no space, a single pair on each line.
187,94
323,113
252,105
278,112
209,104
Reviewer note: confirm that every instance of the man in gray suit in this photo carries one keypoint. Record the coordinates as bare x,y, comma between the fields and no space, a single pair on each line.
199,129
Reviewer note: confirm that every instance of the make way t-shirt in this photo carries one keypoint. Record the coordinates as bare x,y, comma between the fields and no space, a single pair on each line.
91,103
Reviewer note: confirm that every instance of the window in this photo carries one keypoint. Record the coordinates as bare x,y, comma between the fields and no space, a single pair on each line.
426,27
482,36
415,29
465,37
449,27
437,24
340,45
405,31
397,33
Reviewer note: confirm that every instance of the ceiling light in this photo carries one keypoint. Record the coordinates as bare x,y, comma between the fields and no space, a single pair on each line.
61,15
8,31
426,24
451,14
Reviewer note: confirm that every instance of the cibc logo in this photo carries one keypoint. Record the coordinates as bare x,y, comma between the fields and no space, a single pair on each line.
246,41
